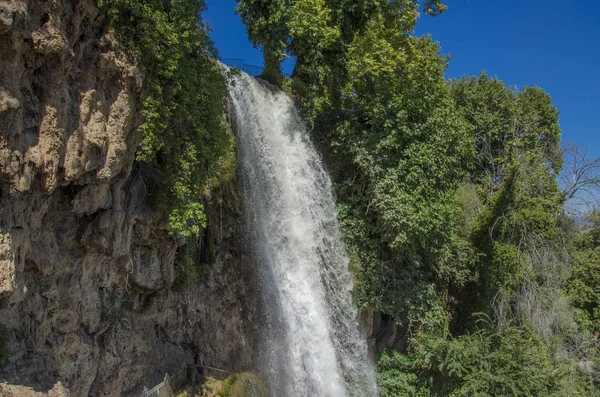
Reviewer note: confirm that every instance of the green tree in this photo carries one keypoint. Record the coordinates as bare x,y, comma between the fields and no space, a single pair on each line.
517,158
397,376
505,122
584,284
511,361
318,32
267,25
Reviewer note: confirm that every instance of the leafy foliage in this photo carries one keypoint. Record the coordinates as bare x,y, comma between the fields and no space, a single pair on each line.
197,256
504,121
510,361
516,230
266,21
584,285
183,130
397,376
399,154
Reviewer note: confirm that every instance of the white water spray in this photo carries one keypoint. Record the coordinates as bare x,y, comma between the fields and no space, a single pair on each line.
312,346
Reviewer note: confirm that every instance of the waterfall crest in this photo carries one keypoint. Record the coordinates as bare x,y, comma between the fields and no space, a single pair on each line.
312,346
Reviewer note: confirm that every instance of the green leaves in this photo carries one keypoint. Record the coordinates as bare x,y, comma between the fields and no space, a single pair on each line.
183,130
267,25
396,376
403,138
583,287
507,124
511,361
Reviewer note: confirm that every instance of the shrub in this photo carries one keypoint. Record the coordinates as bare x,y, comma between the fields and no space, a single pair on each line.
183,130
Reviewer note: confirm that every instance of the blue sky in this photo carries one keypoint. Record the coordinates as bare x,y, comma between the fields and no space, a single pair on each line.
554,44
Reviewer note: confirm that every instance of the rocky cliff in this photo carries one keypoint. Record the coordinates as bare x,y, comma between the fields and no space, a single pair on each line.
86,266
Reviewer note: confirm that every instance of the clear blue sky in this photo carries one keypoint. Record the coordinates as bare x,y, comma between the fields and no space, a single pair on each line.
554,44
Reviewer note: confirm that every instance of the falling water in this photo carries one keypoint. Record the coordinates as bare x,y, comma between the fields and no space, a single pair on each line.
312,345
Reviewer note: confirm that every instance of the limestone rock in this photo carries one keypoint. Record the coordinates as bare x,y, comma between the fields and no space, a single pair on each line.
57,390
7,101
86,265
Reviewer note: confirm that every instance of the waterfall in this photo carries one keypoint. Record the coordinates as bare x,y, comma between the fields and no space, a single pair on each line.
311,345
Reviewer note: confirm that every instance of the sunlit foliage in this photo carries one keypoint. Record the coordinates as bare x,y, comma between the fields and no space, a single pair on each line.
183,129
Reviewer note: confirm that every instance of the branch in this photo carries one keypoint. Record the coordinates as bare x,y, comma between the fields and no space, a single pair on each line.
580,179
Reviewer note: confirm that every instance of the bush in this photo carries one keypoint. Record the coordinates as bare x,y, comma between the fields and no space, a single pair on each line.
512,361
396,376
184,130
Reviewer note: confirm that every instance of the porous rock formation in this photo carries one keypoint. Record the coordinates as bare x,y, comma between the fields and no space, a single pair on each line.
86,266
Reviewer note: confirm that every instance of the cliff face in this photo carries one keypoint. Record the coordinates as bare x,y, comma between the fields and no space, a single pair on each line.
86,267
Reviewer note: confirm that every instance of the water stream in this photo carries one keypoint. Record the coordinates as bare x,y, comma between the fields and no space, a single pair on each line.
312,345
